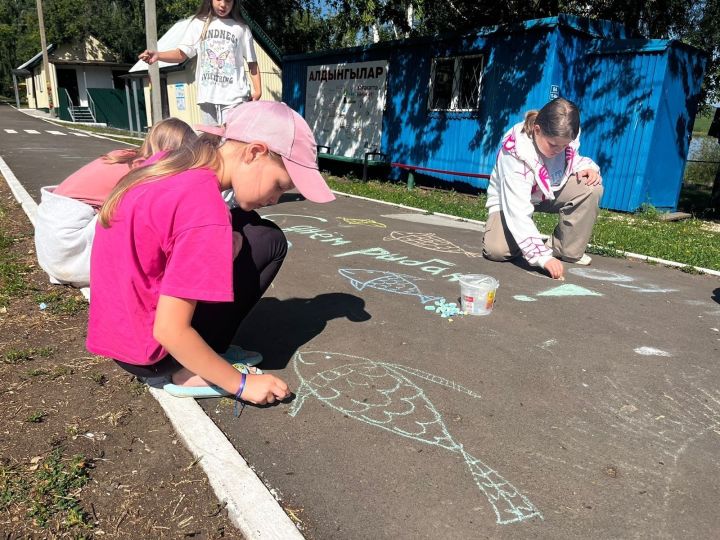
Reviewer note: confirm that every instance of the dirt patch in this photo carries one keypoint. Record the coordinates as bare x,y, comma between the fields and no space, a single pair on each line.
86,450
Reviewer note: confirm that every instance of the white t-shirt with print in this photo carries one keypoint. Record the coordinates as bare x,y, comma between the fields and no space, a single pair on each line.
220,71
555,167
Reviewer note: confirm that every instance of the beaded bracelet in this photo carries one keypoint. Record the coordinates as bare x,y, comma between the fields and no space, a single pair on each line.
238,394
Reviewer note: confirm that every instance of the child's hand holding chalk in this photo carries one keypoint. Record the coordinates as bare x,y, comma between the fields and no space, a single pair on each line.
556,269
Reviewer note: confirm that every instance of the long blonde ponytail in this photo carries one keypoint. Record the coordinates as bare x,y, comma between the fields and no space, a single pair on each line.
203,152
167,134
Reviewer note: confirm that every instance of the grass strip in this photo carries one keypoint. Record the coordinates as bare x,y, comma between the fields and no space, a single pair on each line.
691,242
45,491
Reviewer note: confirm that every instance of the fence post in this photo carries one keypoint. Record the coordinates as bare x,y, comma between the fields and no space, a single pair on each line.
411,179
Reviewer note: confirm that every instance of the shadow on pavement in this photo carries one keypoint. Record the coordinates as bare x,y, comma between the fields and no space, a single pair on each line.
278,328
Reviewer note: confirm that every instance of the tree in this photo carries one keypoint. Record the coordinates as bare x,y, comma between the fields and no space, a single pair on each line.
694,22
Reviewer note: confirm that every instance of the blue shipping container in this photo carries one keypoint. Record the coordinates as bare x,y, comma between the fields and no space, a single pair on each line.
447,101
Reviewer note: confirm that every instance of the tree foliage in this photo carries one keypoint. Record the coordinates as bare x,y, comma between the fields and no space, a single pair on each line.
694,22
309,25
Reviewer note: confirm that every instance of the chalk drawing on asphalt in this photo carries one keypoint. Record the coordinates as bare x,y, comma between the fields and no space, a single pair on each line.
524,298
568,290
269,216
616,278
654,429
381,395
364,222
390,282
650,351
429,241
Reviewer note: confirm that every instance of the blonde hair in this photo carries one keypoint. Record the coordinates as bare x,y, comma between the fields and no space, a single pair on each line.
168,134
558,118
200,152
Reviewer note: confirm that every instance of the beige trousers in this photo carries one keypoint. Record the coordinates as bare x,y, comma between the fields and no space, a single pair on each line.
577,205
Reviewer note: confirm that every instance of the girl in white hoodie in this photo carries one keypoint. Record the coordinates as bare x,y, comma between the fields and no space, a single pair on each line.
538,168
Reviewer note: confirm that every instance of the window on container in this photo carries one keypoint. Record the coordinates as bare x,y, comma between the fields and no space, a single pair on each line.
455,83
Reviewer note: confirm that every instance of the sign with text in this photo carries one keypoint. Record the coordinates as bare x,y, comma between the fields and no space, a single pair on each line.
180,96
344,106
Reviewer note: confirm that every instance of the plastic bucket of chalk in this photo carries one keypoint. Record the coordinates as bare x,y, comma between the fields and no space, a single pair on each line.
477,293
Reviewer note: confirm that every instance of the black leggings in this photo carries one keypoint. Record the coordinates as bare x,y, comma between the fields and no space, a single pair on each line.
263,250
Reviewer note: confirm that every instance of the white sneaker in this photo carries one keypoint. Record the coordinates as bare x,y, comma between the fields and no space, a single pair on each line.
585,260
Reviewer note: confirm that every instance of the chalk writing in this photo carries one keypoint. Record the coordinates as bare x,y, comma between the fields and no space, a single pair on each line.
316,233
386,282
365,222
429,241
381,395
621,280
336,239
432,266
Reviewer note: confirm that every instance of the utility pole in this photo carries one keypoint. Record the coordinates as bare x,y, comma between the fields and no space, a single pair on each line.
154,69
46,62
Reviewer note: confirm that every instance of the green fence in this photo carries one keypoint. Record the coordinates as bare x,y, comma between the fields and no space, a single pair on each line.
63,106
111,108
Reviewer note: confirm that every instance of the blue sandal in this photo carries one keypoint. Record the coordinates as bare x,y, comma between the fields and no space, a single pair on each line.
200,392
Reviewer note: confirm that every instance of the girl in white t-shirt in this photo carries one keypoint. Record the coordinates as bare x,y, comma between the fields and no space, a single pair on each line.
223,42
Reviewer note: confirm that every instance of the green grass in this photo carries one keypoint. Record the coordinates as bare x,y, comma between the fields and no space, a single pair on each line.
12,273
688,242
702,123
46,493
18,356
62,301
699,179
36,417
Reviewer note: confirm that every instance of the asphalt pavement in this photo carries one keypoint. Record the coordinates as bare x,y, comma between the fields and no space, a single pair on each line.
588,408
43,154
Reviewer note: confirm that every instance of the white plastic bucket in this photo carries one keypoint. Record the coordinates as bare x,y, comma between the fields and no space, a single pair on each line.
477,293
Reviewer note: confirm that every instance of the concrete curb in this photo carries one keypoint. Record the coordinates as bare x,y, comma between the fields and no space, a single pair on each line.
21,195
240,490
626,254
232,480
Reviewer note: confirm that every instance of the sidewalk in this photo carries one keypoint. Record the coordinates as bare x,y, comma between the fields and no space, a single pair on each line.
584,408
576,408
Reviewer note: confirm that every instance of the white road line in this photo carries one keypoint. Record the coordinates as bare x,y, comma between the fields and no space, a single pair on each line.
10,131
55,132
79,134
32,131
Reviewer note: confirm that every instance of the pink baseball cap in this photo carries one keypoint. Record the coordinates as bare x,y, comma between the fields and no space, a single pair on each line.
285,132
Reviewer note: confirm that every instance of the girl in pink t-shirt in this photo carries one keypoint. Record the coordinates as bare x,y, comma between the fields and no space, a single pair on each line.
65,224
174,272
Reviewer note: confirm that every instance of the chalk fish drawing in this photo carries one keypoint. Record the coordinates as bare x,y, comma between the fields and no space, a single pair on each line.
381,395
366,222
429,241
386,281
